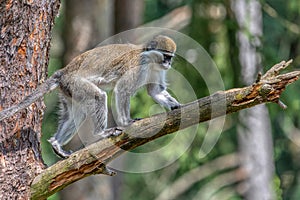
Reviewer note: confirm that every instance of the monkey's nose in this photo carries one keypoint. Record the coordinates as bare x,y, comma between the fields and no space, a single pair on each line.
166,64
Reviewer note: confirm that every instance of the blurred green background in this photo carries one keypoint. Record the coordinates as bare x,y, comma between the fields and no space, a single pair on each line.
271,29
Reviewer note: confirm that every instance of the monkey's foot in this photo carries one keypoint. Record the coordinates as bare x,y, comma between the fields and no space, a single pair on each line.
115,131
57,148
136,119
175,106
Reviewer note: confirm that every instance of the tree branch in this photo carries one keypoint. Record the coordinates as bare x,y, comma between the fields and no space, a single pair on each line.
92,159
177,19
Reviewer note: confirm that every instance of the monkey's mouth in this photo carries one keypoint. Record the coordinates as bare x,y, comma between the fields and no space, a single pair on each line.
167,61
166,64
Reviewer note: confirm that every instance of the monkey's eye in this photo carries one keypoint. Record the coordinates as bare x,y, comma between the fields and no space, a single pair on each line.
167,57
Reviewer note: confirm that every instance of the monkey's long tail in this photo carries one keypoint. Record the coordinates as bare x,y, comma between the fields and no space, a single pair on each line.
49,85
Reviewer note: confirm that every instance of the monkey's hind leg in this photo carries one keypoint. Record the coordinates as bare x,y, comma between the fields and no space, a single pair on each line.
66,126
95,106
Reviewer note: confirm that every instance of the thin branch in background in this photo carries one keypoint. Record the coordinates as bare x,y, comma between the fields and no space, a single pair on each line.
186,181
176,19
221,181
294,28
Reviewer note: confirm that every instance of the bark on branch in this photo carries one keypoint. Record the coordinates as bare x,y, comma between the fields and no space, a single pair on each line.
92,159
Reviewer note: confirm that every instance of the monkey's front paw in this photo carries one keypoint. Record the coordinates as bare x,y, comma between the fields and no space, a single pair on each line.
136,119
175,106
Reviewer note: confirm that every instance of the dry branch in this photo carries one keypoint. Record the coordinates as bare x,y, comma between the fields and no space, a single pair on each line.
92,159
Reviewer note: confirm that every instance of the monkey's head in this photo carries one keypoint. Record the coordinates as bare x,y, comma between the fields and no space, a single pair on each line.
164,45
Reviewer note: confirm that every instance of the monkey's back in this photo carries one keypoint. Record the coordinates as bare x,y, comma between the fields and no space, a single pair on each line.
101,61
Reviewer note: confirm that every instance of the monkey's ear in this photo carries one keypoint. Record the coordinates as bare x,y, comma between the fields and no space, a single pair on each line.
151,56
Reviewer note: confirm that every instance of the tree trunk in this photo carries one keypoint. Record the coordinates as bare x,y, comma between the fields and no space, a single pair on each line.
254,130
24,52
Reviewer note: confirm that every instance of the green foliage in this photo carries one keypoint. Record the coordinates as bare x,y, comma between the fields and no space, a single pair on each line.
281,42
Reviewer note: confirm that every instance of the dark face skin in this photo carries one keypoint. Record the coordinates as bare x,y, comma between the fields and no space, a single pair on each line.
167,59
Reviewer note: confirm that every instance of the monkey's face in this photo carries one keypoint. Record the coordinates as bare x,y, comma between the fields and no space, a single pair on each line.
158,60
163,60
167,60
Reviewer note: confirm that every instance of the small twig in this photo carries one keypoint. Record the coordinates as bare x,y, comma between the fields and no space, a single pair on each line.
282,105
274,71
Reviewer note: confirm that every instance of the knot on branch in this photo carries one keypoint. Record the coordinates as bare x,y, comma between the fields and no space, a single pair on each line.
265,90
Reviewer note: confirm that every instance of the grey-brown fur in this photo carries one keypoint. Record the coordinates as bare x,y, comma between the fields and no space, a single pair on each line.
83,83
